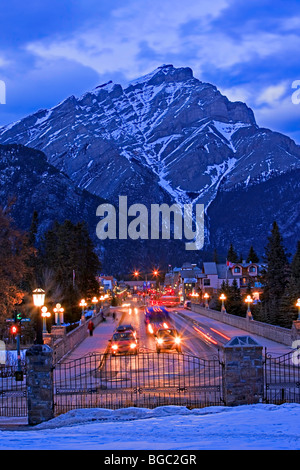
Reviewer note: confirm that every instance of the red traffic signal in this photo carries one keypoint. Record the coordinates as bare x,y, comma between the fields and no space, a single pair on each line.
14,330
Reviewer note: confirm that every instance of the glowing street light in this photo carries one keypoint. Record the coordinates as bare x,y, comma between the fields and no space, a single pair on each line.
82,304
45,315
223,298
206,297
38,297
298,305
249,301
59,314
95,301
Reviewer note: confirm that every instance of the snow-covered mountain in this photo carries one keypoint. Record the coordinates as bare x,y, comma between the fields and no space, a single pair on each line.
166,137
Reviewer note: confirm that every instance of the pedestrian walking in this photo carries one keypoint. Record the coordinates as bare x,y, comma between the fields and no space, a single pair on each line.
91,327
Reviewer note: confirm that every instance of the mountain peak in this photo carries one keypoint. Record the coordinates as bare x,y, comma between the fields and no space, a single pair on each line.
164,73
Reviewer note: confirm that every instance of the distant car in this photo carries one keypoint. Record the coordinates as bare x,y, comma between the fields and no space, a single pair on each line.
124,342
168,338
187,304
122,328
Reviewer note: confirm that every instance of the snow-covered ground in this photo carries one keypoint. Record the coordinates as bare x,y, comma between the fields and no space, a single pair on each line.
254,427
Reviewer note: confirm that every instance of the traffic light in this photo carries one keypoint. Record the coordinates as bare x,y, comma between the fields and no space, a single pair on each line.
14,330
17,317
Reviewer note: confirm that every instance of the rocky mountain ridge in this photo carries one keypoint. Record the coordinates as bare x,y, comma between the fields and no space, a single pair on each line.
165,137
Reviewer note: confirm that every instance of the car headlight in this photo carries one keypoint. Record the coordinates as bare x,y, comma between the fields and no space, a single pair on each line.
115,347
165,325
133,346
150,329
160,341
177,340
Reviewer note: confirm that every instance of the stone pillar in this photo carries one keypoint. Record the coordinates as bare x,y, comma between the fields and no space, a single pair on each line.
39,381
58,332
295,333
243,380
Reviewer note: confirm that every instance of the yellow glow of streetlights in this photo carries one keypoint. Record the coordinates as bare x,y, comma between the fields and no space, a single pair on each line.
45,313
82,303
248,299
206,295
38,297
58,310
94,300
223,297
298,305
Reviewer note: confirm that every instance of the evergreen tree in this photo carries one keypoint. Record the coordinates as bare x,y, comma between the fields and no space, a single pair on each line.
274,277
68,252
295,267
234,303
288,310
252,256
232,254
14,255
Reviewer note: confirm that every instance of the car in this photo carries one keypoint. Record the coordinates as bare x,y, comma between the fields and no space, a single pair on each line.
123,342
122,328
187,304
168,338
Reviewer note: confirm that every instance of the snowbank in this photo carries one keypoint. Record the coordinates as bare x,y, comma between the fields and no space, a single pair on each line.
165,428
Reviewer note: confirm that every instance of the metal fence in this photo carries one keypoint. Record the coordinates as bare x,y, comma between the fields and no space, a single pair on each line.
145,380
282,378
13,391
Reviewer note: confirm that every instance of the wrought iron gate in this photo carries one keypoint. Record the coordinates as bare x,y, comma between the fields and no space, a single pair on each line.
145,380
282,378
13,392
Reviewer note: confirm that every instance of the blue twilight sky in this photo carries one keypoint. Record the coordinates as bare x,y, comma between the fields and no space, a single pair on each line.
50,50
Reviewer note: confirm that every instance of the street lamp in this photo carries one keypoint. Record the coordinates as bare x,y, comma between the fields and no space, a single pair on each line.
94,301
249,301
38,296
45,315
223,298
298,305
206,297
82,305
59,314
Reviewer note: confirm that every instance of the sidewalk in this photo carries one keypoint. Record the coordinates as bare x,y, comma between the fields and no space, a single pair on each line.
96,343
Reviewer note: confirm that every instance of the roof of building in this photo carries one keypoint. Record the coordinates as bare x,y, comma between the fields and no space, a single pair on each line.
223,272
210,268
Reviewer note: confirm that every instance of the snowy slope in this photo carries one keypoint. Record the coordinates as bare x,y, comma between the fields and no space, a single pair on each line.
252,427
